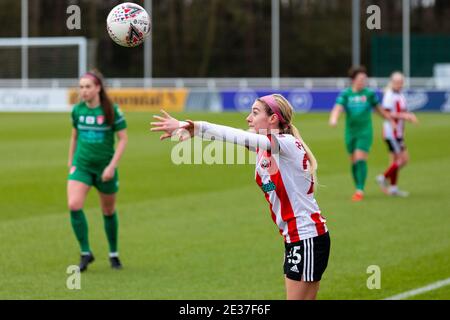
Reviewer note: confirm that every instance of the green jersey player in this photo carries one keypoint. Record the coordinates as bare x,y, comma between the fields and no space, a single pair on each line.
358,101
93,162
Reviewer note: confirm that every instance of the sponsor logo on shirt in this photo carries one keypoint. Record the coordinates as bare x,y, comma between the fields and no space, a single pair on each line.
91,136
358,99
267,187
90,119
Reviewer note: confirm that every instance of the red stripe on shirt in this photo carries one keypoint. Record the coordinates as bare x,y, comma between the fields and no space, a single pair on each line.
320,225
311,187
305,162
287,213
274,217
398,110
398,107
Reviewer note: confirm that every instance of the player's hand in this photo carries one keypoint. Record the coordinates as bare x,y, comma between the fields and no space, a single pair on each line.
171,126
412,118
393,124
108,173
332,122
391,120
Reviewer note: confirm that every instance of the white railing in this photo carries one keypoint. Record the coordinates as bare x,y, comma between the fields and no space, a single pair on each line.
224,83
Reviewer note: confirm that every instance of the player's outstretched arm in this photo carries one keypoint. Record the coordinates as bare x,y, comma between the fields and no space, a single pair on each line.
412,118
205,130
334,115
407,116
384,113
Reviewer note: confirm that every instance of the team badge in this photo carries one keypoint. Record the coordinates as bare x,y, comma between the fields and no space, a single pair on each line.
265,163
100,120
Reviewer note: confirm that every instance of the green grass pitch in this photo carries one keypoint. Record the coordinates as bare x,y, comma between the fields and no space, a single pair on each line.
204,231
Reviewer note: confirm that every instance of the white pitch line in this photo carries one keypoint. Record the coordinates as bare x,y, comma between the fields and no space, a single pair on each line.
415,292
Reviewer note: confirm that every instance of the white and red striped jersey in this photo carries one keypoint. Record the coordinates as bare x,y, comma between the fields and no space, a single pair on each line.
395,102
283,176
288,186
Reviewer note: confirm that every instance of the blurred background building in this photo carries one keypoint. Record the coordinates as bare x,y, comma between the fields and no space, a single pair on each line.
232,38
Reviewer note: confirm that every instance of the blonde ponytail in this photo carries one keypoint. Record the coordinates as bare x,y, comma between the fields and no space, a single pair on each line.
313,165
387,87
287,112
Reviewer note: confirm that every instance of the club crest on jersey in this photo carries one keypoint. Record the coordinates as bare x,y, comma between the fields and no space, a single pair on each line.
90,119
100,120
265,163
81,119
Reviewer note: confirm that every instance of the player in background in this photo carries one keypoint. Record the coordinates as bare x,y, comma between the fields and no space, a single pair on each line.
93,162
394,102
357,101
285,170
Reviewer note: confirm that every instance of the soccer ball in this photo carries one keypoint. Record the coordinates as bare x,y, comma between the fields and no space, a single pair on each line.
128,24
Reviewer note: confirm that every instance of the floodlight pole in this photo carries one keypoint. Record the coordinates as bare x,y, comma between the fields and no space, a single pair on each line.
24,34
148,48
406,41
356,52
275,43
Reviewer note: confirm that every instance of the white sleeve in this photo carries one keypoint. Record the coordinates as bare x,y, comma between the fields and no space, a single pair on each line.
247,139
388,100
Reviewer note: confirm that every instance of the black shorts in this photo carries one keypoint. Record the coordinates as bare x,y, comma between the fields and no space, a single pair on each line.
307,260
395,145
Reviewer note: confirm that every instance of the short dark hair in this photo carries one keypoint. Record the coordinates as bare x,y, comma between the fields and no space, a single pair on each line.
354,71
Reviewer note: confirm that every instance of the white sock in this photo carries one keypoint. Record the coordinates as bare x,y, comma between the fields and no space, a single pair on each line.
113,254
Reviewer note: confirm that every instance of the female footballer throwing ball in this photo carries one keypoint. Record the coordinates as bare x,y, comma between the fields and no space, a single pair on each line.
93,162
285,170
